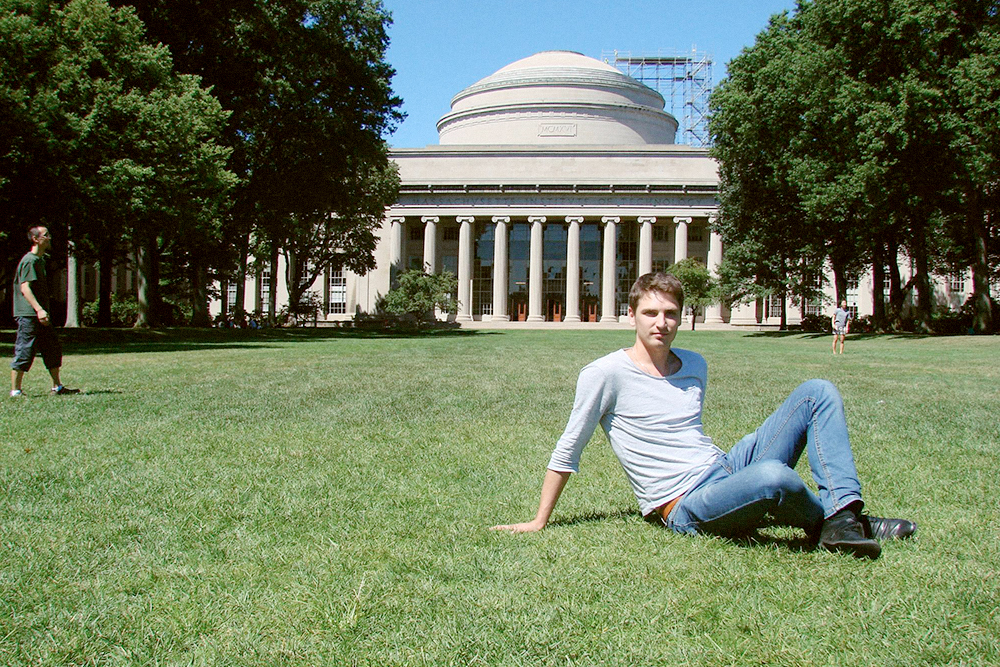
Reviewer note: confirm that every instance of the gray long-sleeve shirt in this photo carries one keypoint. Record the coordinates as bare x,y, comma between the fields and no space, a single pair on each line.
653,423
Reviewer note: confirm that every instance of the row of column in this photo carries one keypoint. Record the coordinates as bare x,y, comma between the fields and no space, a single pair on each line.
535,271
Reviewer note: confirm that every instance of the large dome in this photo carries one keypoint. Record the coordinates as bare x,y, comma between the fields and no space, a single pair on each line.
557,98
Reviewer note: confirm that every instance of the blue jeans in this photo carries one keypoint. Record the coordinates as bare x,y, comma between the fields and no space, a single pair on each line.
756,480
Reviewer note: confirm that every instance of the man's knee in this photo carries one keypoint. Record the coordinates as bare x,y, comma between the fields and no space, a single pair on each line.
820,390
778,479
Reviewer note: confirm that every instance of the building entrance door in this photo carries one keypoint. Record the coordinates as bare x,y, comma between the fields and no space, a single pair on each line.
554,310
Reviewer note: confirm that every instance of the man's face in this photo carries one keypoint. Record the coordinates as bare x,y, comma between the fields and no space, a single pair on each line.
655,318
43,239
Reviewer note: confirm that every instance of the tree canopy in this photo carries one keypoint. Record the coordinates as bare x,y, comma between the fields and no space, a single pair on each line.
103,140
309,93
191,134
855,129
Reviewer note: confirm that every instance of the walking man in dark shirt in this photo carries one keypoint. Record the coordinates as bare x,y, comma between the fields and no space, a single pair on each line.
31,310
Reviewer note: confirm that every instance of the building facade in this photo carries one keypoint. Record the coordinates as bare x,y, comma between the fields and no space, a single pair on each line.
555,183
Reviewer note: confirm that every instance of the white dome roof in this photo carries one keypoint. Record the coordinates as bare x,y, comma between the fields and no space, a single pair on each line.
557,98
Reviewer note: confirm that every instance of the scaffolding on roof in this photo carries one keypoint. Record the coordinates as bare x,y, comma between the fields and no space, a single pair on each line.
684,81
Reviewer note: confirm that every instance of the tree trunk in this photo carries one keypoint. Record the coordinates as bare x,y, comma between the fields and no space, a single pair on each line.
923,285
896,294
272,295
982,320
148,288
72,288
878,282
292,280
106,264
239,308
199,291
839,282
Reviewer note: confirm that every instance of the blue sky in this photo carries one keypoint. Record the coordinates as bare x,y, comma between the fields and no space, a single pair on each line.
439,47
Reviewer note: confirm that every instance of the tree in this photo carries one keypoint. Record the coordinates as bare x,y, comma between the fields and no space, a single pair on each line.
125,147
309,91
419,294
699,286
877,138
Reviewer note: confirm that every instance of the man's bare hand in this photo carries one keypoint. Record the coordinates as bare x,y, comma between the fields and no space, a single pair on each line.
43,317
528,527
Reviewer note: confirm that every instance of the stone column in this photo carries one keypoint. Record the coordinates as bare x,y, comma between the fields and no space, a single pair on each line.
465,268
609,269
713,313
535,272
500,269
681,240
430,242
646,244
573,269
396,230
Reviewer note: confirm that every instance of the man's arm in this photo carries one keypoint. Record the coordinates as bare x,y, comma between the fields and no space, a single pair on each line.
552,487
29,296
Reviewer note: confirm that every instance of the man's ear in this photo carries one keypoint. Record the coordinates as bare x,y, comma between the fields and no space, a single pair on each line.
631,316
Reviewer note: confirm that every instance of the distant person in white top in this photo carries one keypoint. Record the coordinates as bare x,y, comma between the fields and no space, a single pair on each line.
648,399
841,325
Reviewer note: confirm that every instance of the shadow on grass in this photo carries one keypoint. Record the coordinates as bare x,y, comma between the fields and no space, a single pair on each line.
108,341
595,517
754,540
757,539
809,335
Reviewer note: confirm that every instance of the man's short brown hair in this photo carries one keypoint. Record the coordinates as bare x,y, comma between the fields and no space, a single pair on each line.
35,231
664,283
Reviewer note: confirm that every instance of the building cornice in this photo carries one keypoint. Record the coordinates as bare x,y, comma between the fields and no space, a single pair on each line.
590,150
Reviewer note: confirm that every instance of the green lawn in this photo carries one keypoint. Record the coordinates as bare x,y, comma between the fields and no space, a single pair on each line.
310,498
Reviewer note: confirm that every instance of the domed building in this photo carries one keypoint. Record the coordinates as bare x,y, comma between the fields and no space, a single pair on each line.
555,183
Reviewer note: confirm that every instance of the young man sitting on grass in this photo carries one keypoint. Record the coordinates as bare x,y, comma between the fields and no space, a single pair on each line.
648,398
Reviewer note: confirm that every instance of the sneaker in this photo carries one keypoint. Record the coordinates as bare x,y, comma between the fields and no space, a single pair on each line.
15,392
881,528
62,390
844,533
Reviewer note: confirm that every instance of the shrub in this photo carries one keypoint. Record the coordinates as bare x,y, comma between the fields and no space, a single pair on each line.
419,294
124,311
815,323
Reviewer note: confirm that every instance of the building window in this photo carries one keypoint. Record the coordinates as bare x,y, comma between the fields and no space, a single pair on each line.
659,233
773,306
956,283
450,233
627,265
416,233
338,293
661,265
231,295
695,235
814,308
265,288
482,269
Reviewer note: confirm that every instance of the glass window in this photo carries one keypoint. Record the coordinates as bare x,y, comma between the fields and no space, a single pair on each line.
338,293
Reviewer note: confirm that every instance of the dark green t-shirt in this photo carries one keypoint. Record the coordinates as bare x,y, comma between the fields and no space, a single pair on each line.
31,269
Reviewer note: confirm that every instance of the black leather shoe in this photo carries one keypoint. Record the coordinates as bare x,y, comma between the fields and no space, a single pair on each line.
880,528
844,533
